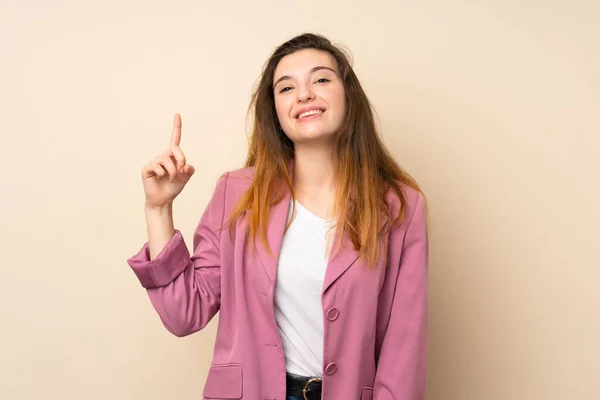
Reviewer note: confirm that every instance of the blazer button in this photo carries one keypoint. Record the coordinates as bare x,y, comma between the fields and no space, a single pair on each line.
330,368
333,313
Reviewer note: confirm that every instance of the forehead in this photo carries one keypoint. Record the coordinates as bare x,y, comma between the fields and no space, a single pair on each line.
300,62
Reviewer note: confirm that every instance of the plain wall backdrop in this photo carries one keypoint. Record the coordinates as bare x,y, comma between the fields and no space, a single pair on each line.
493,106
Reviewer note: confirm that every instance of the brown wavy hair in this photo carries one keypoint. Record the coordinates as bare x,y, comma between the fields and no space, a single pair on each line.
365,170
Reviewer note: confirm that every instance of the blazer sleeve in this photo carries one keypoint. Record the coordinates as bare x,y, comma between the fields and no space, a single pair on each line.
186,290
402,365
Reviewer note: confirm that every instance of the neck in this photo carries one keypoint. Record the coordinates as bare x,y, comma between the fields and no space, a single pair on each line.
314,173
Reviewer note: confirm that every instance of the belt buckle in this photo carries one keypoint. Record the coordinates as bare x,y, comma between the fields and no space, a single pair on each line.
312,380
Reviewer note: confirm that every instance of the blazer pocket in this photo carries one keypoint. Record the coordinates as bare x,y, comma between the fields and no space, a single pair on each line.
224,381
367,394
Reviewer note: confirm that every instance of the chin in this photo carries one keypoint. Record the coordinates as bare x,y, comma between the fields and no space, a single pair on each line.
308,137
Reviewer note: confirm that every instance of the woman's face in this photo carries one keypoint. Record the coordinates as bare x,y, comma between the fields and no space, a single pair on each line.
309,96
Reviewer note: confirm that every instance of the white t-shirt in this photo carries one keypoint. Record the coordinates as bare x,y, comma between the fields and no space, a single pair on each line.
300,274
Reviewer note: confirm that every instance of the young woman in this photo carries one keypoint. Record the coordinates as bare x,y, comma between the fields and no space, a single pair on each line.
315,253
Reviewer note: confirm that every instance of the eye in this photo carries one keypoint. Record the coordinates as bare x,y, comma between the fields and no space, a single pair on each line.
322,80
285,89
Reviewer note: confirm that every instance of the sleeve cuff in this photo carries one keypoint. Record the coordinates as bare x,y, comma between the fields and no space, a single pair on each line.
166,266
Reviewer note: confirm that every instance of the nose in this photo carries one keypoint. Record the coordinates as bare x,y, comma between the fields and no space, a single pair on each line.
304,93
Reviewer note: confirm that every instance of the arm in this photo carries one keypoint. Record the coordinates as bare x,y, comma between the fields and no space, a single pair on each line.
402,365
186,291
159,225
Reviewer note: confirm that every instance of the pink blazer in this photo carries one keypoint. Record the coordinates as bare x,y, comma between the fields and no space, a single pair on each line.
375,321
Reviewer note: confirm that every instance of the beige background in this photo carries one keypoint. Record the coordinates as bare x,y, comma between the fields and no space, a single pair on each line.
494,106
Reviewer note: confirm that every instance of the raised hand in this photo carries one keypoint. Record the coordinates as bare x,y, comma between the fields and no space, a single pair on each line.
166,175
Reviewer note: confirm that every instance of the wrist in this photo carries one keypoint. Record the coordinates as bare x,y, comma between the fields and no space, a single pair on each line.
159,210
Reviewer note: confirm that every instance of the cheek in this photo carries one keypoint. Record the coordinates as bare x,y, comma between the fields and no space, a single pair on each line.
281,110
336,97
340,104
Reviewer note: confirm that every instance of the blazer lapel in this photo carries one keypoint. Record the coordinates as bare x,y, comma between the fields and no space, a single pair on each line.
339,260
275,229
345,257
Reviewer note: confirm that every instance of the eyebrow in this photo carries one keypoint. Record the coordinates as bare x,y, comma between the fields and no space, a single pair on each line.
314,69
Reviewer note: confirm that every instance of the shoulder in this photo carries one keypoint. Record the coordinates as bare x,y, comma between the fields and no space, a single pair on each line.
241,174
234,183
414,203
229,187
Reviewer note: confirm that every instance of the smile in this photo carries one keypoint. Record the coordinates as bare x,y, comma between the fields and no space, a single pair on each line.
309,113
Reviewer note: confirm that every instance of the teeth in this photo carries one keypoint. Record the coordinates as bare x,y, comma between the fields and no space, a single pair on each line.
312,112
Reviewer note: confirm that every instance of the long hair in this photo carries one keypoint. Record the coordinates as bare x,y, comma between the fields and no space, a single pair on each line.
365,171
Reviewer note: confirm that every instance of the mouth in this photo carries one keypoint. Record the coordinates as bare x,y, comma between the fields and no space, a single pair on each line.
310,113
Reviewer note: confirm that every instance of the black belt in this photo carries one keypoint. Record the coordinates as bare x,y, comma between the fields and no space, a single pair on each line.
303,387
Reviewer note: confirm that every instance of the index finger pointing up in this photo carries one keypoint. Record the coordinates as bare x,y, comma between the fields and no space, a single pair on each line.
176,134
